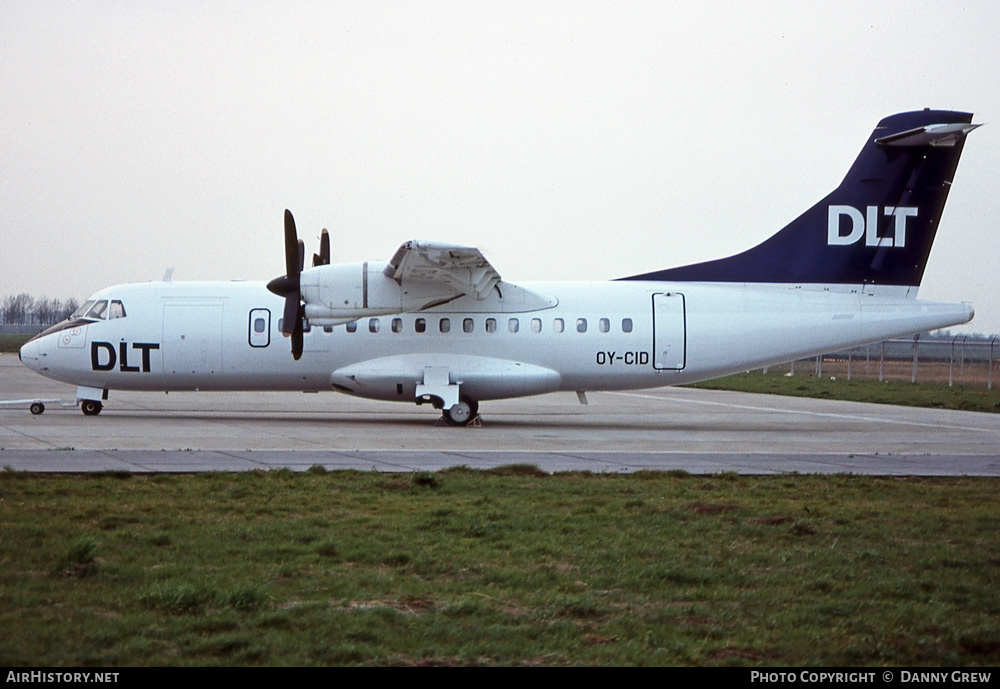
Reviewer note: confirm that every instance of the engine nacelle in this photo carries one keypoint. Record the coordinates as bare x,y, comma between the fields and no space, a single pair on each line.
335,294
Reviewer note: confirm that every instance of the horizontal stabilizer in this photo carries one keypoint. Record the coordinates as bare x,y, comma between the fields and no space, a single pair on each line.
931,135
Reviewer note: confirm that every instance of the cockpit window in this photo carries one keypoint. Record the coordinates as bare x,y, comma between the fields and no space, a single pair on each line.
87,305
97,310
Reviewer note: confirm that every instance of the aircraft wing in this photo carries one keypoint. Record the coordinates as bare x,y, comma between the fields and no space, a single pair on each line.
461,268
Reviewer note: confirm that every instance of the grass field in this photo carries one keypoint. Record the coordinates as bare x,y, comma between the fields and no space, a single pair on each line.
892,391
12,343
498,568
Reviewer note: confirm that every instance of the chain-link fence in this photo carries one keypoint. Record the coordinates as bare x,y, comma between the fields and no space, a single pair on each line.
21,328
958,360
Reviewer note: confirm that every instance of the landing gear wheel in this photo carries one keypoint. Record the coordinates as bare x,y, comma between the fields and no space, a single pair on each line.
36,408
462,413
91,407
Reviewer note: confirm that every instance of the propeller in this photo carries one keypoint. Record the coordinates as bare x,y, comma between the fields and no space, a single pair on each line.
288,285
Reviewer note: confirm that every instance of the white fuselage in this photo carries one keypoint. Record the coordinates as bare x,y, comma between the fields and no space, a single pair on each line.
588,336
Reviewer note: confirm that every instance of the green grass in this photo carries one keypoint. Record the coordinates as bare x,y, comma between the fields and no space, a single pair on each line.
13,343
497,568
937,395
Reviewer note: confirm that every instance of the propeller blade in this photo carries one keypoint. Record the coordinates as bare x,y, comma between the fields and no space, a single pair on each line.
297,335
288,284
302,255
324,247
323,257
291,314
292,264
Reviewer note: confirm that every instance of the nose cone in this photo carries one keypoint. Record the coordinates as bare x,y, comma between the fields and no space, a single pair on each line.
29,354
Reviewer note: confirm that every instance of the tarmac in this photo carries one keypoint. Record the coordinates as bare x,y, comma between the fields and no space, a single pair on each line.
698,431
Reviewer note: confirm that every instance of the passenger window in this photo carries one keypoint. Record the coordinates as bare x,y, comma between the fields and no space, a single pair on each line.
558,325
626,325
260,321
491,325
397,325
468,325
581,325
536,325
445,325
117,310
420,325
352,327
373,325
513,325
604,325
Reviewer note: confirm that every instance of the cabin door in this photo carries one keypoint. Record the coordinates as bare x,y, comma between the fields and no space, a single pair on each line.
669,334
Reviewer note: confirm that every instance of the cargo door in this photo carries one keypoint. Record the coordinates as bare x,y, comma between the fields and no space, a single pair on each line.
192,338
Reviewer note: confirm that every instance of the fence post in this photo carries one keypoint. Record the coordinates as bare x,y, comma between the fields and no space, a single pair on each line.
913,378
881,362
989,383
850,355
951,363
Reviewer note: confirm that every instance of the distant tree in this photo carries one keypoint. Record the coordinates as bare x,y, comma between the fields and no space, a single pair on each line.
23,309
44,309
17,308
48,311
68,307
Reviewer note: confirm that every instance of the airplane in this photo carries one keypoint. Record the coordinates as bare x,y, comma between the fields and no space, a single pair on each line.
436,324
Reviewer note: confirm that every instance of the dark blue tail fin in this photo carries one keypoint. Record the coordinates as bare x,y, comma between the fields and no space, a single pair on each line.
876,228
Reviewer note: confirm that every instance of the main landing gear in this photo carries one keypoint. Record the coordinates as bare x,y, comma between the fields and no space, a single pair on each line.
91,407
462,413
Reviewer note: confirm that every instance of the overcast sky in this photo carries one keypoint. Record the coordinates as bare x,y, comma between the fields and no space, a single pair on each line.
568,140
